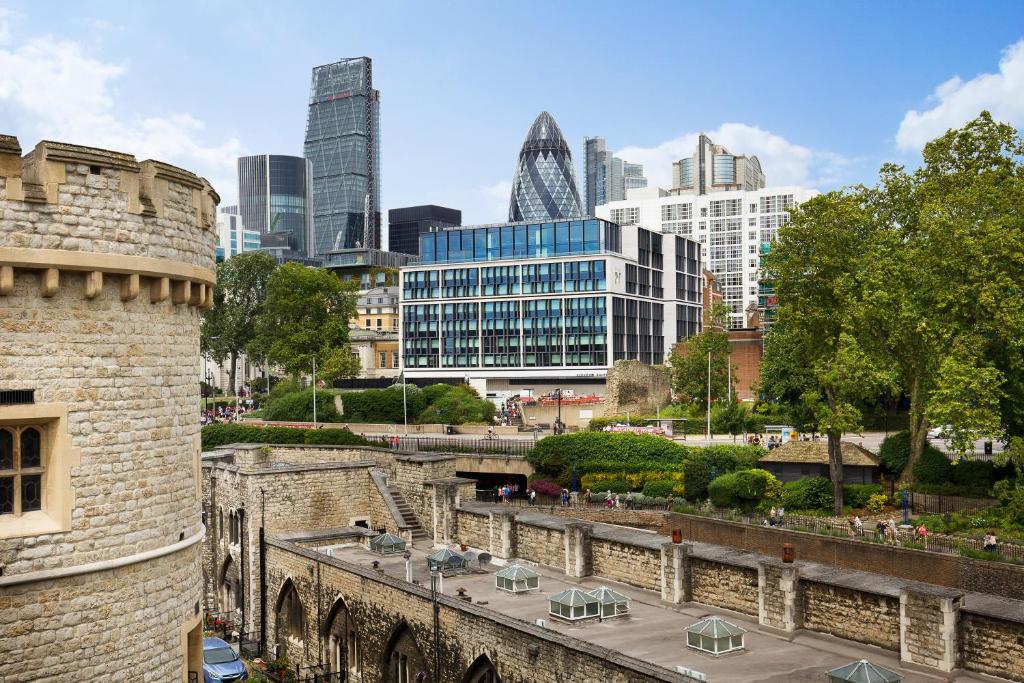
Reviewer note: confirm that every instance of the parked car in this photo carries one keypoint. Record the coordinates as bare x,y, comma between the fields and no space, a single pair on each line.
940,432
221,664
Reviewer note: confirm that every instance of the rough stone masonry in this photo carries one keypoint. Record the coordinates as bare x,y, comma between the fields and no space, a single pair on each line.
105,263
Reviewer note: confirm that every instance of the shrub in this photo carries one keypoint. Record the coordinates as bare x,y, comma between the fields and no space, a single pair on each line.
460,405
659,488
933,467
722,490
810,493
298,406
857,495
215,435
617,486
895,451
753,486
877,502
707,463
546,487
604,452
598,424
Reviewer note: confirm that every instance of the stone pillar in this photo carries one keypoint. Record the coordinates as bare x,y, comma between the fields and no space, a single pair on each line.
929,620
579,560
778,595
444,512
676,586
503,534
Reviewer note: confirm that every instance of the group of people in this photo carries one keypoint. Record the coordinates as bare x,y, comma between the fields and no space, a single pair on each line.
774,441
776,517
888,532
504,494
223,413
508,413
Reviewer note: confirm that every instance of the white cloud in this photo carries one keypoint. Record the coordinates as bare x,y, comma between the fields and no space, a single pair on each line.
784,162
52,89
957,101
488,203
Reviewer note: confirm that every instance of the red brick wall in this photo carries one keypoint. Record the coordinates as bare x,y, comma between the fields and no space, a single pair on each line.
746,357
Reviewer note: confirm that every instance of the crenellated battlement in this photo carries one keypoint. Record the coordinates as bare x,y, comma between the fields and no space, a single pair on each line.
72,208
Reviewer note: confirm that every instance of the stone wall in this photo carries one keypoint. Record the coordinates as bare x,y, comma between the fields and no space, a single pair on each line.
379,608
105,264
636,387
543,545
474,529
724,585
853,614
636,565
951,571
993,646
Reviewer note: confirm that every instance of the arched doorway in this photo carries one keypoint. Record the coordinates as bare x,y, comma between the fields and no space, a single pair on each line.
290,623
228,585
403,661
482,671
341,642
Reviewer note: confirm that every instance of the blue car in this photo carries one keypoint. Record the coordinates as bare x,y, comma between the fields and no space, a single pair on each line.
220,663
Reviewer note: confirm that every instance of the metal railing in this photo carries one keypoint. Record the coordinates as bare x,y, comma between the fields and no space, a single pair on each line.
925,503
433,444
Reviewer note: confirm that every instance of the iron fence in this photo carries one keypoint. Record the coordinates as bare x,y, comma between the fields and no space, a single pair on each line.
924,503
434,444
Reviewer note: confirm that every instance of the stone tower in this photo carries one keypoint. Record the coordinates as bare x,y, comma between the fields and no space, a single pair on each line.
105,263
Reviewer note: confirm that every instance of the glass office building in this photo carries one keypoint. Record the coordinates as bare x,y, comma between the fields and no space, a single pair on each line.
544,184
343,145
406,224
547,300
274,199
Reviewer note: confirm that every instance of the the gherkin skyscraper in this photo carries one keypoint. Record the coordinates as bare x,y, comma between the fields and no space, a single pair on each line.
544,186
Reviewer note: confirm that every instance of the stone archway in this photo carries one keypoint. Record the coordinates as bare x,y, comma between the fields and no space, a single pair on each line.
340,640
403,661
229,586
290,623
482,671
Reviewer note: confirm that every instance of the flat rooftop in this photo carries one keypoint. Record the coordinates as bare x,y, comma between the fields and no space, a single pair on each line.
653,631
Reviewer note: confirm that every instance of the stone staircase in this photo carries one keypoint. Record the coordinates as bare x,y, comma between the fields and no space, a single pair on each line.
408,516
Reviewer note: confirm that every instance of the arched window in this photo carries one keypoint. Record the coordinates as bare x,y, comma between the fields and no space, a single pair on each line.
21,471
220,522
290,621
403,661
482,671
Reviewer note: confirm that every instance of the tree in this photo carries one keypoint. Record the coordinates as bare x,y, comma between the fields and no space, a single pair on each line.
944,282
306,318
690,364
230,326
815,266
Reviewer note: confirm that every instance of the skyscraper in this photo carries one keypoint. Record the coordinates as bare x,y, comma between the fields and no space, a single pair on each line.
343,144
712,168
274,199
606,177
544,185
406,224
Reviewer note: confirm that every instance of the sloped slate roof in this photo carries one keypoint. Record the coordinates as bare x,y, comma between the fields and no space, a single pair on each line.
816,452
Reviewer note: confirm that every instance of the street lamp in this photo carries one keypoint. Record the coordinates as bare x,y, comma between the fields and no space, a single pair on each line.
558,419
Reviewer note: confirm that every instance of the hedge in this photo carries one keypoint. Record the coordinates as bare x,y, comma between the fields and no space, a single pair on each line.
712,461
743,489
895,451
215,435
857,495
298,406
604,452
660,488
810,493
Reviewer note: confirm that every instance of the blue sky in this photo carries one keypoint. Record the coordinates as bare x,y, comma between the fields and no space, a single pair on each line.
823,92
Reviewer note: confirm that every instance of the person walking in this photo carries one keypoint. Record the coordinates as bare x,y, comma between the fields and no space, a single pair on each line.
858,526
629,500
922,535
782,515
771,516
533,497
668,502
586,499
991,545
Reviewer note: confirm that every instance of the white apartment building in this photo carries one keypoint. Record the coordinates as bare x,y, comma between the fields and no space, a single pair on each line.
733,227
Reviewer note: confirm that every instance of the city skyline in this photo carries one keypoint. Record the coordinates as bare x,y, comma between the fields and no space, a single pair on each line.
98,76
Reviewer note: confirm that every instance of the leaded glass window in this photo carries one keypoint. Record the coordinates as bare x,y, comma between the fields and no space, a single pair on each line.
21,470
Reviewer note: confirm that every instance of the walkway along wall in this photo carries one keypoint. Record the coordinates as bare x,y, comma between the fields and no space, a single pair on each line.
931,626
379,612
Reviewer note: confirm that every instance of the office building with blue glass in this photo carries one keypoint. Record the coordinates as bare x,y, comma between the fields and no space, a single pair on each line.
528,305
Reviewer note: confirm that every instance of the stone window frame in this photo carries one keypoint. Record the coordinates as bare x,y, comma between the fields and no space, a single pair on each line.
15,474
57,457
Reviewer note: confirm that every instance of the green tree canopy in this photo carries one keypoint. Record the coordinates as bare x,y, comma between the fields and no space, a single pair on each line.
945,281
230,326
690,363
306,318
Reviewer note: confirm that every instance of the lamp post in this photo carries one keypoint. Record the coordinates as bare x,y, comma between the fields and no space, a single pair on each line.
558,420
209,387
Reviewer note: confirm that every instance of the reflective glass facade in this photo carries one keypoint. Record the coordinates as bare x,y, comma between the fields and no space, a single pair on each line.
544,184
405,225
274,198
519,241
343,144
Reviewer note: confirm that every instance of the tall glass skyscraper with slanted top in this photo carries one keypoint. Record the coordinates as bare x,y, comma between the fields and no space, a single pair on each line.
343,144
544,185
